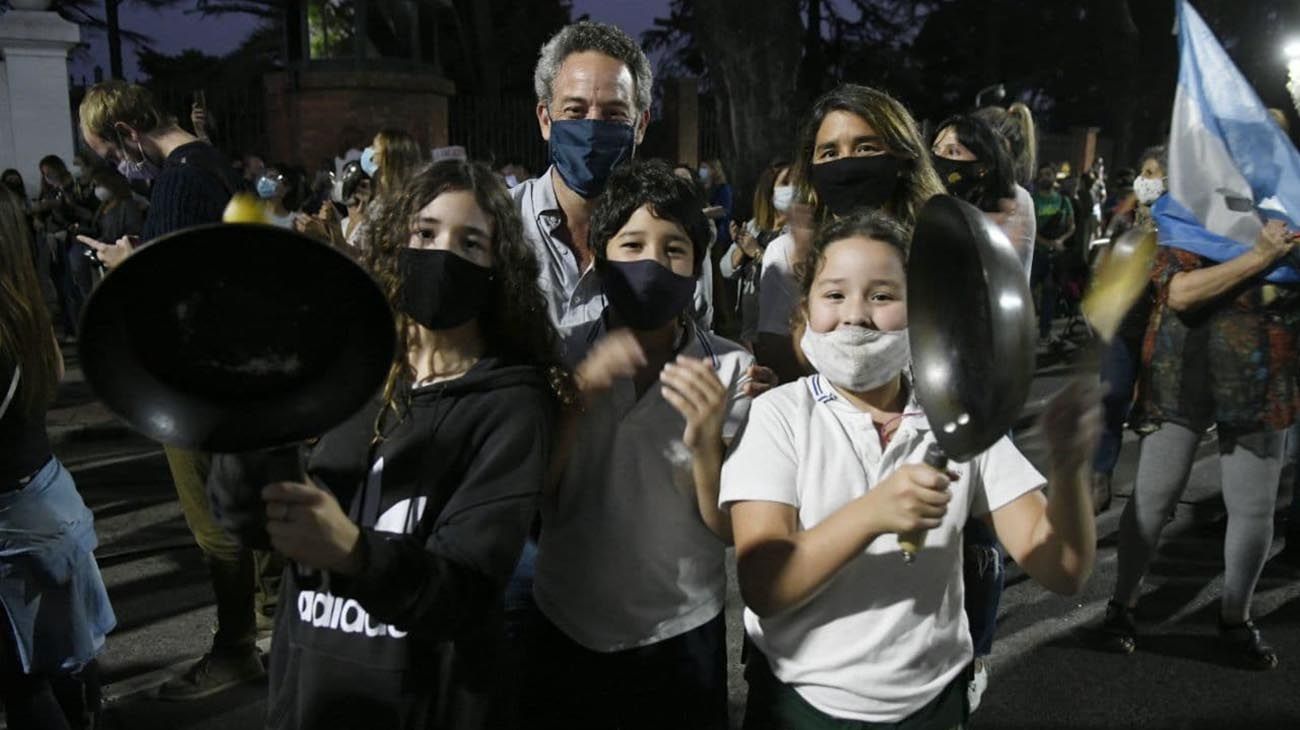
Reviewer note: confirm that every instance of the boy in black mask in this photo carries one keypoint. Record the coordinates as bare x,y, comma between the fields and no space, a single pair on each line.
630,580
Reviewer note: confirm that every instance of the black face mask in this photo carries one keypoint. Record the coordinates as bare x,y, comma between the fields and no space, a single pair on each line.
441,290
645,294
855,182
962,178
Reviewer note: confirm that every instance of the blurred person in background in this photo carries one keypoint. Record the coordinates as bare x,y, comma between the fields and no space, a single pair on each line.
742,262
191,183
54,610
1120,360
281,187
1015,125
118,214
59,210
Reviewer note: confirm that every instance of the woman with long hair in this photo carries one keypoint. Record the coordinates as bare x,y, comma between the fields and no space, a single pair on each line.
416,508
119,214
1219,350
54,611
743,261
858,148
974,165
394,156
1015,125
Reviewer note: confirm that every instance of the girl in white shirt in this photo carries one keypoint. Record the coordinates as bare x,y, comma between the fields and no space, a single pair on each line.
825,477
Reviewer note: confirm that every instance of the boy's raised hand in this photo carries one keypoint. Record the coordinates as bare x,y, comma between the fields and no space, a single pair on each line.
692,387
618,355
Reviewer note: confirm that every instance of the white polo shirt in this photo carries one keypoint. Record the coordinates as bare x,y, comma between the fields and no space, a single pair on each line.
778,289
882,638
624,558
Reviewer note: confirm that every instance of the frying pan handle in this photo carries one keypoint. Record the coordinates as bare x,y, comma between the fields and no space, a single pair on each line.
911,542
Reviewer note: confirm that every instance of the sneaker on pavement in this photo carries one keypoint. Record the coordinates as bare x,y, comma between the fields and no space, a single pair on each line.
213,673
975,688
1248,645
1119,629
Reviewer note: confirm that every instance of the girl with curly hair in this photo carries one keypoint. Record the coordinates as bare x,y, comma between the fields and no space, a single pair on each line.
418,505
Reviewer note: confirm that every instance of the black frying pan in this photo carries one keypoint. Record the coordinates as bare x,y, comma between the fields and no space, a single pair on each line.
236,337
971,331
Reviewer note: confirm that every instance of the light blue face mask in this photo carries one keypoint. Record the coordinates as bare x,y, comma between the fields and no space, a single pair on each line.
368,163
266,188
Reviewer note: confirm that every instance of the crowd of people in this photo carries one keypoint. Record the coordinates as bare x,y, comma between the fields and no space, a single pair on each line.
527,526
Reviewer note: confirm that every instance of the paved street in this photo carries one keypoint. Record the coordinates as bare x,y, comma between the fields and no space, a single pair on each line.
1044,673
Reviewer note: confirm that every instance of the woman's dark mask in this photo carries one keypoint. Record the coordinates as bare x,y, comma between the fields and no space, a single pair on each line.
855,182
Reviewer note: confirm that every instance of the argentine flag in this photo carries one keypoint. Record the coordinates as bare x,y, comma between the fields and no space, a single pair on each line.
1230,165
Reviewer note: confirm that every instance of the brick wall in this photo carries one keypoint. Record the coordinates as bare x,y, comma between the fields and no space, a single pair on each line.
314,115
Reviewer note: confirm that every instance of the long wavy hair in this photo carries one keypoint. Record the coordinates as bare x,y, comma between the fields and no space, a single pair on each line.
26,334
514,322
917,181
401,158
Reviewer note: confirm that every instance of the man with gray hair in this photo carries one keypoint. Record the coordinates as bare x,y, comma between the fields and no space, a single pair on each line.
593,86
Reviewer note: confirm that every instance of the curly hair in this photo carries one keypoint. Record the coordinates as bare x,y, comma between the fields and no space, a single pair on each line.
514,322
651,183
897,129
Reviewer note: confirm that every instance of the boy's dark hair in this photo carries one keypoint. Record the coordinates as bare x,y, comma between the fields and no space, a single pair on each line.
651,183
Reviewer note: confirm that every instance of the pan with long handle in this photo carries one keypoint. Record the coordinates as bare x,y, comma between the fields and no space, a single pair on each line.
971,332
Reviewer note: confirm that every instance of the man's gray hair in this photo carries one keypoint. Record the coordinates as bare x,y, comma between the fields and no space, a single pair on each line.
592,36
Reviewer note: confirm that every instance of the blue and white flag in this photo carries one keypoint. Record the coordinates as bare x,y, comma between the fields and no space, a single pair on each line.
1230,165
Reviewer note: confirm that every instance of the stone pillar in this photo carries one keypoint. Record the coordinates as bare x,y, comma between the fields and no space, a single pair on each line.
35,114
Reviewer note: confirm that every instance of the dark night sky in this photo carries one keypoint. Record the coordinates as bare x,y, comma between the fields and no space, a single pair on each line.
174,30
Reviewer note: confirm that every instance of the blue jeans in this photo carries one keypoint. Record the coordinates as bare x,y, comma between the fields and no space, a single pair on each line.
680,682
983,574
1119,364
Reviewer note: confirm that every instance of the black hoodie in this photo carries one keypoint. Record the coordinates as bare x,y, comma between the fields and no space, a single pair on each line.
413,640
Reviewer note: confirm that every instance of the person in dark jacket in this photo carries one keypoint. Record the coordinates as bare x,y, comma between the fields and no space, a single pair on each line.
418,505
191,183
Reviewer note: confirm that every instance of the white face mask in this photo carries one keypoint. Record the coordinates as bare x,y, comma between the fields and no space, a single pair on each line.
103,193
857,359
1147,189
783,198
